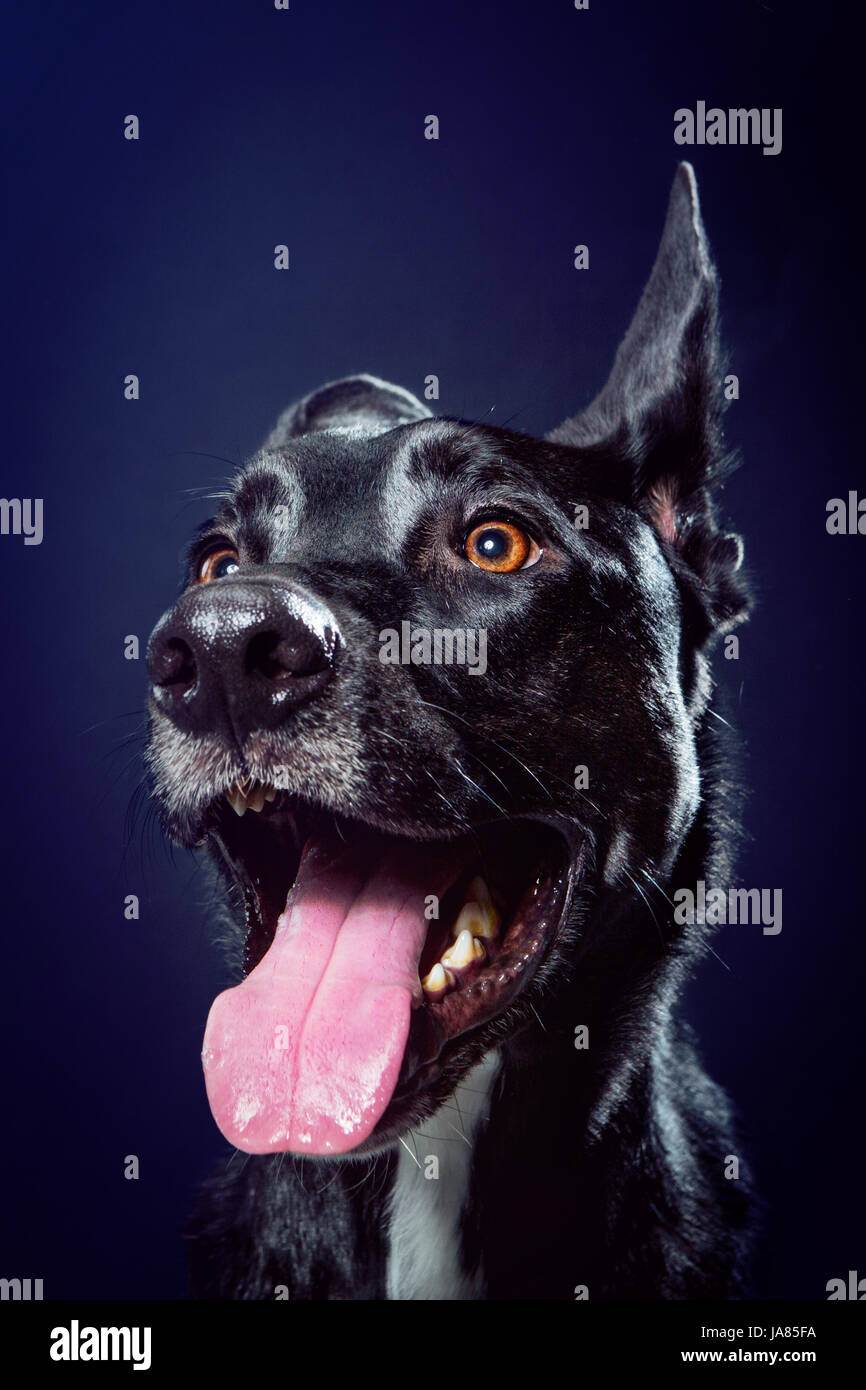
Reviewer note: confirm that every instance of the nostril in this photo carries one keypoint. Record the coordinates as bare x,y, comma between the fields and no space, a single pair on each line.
282,658
233,657
174,664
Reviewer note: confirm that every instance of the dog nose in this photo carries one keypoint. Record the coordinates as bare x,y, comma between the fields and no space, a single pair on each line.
242,653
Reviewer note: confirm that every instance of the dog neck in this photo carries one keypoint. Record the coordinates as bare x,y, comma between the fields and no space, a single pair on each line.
426,1257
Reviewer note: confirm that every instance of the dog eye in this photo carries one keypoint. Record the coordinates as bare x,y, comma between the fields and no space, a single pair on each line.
218,565
500,547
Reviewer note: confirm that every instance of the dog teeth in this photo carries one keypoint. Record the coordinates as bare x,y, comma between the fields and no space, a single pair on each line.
478,915
466,949
438,980
477,921
250,795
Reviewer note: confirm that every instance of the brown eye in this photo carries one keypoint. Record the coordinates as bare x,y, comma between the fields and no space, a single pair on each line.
500,547
218,565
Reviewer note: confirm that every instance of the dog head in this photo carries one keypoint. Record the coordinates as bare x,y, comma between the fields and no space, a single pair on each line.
430,698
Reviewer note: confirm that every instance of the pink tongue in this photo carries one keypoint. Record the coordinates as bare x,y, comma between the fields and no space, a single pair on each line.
304,1054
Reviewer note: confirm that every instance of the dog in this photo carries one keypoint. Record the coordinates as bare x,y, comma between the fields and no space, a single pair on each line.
454,1060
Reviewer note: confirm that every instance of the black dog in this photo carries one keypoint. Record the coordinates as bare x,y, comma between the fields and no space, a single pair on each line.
457,678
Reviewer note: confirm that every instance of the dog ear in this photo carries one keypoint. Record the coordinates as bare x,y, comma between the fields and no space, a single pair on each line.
355,402
660,413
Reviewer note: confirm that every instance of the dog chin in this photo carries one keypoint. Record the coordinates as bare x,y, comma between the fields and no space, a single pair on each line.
378,968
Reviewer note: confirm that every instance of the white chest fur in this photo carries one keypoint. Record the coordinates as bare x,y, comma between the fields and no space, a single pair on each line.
430,1193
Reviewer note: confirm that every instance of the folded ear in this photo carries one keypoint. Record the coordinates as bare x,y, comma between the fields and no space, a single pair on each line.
355,402
660,412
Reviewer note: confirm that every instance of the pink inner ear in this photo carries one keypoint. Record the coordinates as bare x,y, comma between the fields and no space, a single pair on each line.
663,509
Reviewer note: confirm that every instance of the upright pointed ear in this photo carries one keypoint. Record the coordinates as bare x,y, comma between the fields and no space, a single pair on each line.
660,413
355,402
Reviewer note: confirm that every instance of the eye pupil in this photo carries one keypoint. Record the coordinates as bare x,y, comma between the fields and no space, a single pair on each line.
218,565
491,544
499,547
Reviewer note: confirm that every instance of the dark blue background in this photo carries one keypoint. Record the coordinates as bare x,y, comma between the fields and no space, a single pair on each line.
408,257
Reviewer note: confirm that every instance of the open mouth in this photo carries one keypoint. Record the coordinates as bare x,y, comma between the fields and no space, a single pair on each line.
370,960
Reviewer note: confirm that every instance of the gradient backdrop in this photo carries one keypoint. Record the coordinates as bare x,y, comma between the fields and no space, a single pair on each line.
407,257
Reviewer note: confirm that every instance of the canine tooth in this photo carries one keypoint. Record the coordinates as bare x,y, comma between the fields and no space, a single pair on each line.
465,950
438,979
236,800
479,913
270,793
477,918
479,892
256,798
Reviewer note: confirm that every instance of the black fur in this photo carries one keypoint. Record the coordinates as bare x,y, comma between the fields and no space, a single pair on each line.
602,1167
